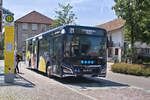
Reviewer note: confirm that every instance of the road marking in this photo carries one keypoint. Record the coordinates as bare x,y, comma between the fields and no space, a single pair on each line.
139,88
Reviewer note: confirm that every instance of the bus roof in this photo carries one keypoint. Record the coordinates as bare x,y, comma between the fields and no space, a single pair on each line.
62,27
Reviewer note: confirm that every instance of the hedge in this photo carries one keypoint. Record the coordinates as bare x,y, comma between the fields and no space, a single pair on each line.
132,69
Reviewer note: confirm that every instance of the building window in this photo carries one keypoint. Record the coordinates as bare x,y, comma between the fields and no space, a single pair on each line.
50,26
116,51
34,27
24,37
43,28
110,38
148,51
24,26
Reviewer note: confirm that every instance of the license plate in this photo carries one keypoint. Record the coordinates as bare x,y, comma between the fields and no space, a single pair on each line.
87,70
86,75
94,66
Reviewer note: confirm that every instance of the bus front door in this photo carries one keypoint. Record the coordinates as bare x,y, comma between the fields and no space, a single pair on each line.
57,55
36,54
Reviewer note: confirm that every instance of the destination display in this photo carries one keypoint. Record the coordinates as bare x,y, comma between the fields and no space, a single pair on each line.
87,31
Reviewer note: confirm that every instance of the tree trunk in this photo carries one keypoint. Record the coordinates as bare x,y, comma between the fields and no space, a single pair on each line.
132,46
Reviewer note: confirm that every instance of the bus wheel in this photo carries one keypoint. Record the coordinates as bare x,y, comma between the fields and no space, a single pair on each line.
49,71
29,64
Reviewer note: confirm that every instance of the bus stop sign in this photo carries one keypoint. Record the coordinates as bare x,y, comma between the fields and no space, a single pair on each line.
9,18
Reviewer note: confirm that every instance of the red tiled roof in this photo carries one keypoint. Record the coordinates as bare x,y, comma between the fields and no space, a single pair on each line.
34,17
112,25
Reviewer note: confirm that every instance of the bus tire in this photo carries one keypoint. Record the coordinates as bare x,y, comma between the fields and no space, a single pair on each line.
29,64
49,72
61,73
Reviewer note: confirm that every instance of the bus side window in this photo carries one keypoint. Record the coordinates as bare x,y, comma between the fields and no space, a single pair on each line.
51,47
58,47
67,46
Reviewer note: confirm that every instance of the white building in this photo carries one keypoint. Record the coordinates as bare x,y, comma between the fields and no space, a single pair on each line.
116,38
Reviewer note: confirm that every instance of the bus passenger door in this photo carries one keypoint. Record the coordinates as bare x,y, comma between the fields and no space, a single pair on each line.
36,54
57,55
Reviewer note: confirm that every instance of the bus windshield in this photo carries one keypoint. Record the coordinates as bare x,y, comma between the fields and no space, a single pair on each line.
85,45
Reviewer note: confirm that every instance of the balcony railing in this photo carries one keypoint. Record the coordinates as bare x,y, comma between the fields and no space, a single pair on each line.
113,44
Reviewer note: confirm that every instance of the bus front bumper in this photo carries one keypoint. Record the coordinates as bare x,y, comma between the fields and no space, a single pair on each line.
91,71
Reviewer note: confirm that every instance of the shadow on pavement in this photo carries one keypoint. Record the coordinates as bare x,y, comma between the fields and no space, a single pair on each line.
18,81
85,82
38,72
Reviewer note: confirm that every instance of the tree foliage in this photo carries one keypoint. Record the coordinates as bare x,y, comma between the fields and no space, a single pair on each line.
64,16
136,14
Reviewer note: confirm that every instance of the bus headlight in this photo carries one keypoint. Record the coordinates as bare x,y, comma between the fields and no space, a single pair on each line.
63,31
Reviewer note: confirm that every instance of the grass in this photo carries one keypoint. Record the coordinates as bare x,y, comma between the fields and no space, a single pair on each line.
132,69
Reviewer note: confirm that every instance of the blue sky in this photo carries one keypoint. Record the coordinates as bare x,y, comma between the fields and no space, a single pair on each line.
88,12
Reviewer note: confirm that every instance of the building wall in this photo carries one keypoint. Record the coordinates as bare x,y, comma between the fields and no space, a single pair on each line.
117,37
22,35
142,49
141,45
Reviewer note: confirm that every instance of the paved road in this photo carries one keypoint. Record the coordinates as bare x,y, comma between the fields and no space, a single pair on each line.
136,81
32,85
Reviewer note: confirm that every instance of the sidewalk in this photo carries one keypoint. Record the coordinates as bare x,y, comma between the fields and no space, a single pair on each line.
109,65
30,85
20,81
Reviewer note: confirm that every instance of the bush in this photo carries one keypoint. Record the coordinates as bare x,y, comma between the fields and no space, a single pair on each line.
143,60
132,69
1,57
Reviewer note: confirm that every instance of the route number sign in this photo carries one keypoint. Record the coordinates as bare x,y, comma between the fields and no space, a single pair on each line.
9,18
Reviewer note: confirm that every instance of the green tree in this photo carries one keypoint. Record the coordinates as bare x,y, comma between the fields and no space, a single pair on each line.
144,23
137,18
64,16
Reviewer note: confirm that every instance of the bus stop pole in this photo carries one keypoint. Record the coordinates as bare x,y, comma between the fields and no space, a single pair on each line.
9,58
